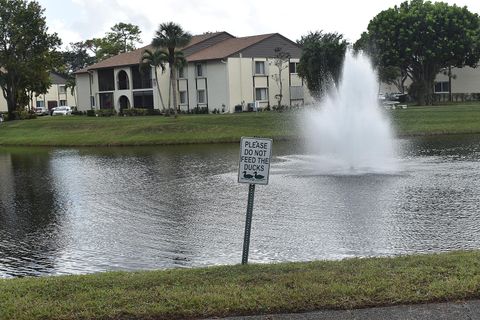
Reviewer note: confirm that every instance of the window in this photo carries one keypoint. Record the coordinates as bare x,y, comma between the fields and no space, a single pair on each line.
141,79
201,96
106,100
92,101
181,73
143,99
199,70
260,94
63,102
106,80
259,67
183,97
293,67
40,104
122,82
442,87
62,90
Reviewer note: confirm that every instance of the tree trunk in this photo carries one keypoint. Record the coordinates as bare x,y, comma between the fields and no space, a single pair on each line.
11,101
158,88
174,88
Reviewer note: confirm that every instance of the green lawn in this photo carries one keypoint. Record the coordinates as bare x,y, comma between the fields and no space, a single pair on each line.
448,119
92,131
82,130
244,290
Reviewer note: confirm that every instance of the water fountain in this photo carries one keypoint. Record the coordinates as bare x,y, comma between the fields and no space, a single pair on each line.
347,133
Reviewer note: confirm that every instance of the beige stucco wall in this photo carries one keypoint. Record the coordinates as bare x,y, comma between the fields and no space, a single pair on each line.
217,85
83,91
240,79
465,80
55,93
243,81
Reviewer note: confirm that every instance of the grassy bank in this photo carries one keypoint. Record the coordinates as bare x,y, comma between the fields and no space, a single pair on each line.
243,290
447,119
91,131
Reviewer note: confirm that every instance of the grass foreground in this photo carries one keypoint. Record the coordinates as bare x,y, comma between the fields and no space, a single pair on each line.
245,290
159,130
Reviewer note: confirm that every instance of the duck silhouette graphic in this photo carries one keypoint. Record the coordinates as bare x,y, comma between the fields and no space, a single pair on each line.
247,176
258,176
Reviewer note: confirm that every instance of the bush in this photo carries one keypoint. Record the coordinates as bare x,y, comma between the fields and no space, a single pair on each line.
90,113
200,110
79,113
105,112
132,112
22,114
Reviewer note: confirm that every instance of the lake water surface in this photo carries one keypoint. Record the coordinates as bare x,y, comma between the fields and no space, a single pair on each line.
76,211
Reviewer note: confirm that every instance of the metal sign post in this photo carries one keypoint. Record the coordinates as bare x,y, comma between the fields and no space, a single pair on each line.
248,223
254,168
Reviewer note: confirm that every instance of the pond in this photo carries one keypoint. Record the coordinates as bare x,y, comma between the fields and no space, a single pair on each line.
77,211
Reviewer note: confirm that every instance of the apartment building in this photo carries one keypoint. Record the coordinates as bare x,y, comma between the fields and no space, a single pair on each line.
223,73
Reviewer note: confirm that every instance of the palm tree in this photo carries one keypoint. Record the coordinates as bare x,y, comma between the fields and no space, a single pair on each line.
155,59
171,37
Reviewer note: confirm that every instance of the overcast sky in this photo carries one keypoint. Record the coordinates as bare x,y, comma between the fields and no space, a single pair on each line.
78,20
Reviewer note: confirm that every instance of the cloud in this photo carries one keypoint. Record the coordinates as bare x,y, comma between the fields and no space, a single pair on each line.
82,19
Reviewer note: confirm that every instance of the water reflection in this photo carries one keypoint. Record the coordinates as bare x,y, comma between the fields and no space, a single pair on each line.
29,233
89,210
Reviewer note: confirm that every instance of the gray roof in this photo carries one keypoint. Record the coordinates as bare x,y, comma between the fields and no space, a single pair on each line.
57,79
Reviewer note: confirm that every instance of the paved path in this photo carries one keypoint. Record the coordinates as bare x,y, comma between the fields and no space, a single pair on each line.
467,310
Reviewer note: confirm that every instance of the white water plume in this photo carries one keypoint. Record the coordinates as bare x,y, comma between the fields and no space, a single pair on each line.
348,133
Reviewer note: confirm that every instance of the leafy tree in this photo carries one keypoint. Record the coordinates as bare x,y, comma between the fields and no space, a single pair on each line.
27,50
124,35
156,59
171,37
76,57
280,61
103,48
321,61
422,38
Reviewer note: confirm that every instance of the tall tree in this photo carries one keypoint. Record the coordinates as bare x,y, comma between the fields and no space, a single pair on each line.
27,50
155,59
126,35
281,60
76,57
321,60
421,38
171,37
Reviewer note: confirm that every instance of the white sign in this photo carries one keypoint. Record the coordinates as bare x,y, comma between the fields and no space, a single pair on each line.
255,155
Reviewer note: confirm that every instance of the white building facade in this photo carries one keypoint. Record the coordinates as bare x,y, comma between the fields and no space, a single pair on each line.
223,73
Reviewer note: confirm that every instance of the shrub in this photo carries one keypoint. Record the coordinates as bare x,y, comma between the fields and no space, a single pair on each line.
105,112
79,113
22,114
200,110
90,113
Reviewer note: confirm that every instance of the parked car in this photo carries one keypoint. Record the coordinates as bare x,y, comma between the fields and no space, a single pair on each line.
62,111
41,111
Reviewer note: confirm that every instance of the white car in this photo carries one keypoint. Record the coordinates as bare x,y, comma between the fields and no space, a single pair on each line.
41,111
62,111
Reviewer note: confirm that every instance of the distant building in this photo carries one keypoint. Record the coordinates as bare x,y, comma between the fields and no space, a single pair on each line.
465,85
223,73
57,95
